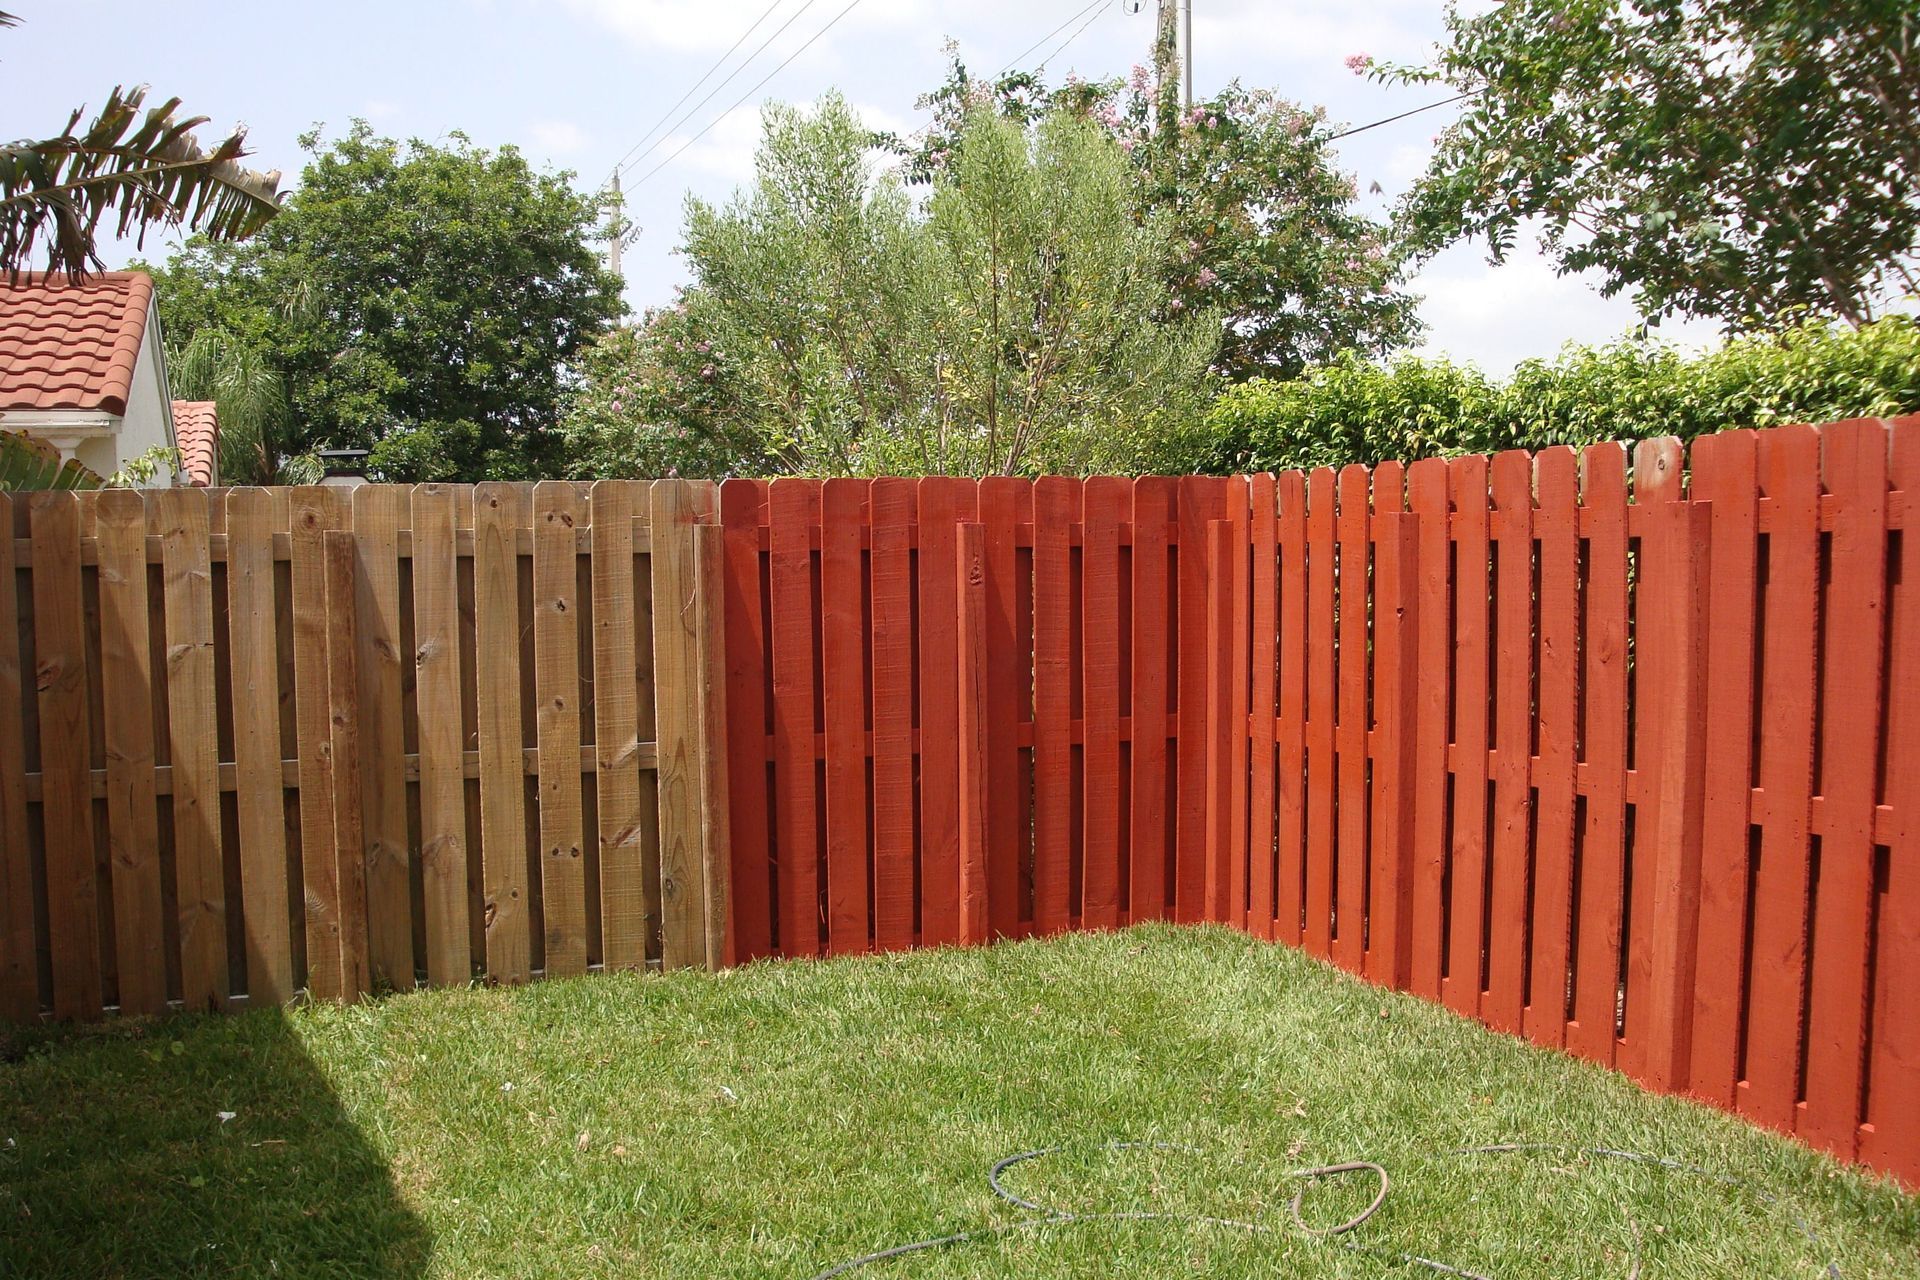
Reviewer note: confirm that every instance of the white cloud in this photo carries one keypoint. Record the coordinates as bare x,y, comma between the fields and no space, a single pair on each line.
1499,316
557,137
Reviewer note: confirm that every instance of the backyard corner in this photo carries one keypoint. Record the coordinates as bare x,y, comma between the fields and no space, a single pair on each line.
776,1120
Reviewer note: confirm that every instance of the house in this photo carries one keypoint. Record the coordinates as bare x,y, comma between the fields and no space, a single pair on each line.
82,369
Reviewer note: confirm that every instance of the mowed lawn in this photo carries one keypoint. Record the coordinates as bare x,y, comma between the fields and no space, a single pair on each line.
776,1120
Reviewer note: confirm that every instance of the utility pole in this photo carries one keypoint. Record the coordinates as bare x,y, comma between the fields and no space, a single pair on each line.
1173,46
1186,54
616,228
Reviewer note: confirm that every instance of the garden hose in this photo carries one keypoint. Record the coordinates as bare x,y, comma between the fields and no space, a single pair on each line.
1051,1218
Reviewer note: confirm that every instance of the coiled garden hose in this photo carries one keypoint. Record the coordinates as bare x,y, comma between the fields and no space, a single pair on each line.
1051,1218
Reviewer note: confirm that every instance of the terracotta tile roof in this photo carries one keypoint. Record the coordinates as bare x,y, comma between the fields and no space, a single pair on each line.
65,346
197,432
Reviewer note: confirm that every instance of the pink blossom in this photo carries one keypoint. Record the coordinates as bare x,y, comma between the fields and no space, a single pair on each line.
1213,122
1176,305
1127,144
1358,63
706,371
1207,278
616,406
1137,81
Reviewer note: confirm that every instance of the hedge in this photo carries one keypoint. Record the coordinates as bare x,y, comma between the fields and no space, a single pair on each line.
1357,411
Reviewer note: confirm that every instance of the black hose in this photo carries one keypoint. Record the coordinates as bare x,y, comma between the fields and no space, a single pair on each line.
1052,1218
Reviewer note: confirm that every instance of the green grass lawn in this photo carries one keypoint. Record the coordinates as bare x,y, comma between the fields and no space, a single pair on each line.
776,1120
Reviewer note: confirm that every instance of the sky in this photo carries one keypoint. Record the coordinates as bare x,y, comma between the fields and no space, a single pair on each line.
578,85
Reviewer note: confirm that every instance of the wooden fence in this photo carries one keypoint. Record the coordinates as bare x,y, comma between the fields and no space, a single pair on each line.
1619,758
253,741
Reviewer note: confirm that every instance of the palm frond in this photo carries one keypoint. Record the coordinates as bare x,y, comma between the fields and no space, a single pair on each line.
28,464
143,167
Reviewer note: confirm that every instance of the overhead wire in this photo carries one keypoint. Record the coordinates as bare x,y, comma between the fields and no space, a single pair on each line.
710,125
692,88
1091,19
750,58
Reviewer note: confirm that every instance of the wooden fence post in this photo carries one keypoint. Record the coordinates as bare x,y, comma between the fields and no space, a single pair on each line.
970,581
716,844
343,714
1220,729
1671,646
1396,691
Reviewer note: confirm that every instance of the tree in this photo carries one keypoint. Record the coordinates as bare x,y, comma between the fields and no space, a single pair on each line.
424,301
250,402
1743,160
1265,224
141,169
1016,321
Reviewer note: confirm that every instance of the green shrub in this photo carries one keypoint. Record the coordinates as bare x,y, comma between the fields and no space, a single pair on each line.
1356,411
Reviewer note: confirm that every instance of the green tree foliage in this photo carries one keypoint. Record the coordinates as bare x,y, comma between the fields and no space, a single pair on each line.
425,301
1745,160
1355,411
250,401
1018,321
1264,223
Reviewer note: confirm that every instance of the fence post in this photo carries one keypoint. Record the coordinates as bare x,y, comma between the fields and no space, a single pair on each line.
1670,646
970,568
716,844
343,724
1220,729
1396,689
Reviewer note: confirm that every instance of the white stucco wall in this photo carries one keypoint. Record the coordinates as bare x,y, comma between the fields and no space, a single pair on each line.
149,418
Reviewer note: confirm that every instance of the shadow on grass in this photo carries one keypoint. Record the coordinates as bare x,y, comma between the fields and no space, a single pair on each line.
115,1159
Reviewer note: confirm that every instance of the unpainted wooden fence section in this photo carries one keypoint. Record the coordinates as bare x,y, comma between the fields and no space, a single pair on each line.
1600,748
254,741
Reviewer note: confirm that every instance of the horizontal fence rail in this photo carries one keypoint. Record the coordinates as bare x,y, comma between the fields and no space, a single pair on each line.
256,741
1601,748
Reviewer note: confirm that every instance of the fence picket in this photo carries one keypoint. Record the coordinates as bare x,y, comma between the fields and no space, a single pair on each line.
1353,550
255,646
1507,942
793,511
843,630
1263,530
443,801
1290,862
315,510
893,753
60,660
1056,505
743,512
1723,474
1854,467
379,512
1005,503
1789,469
1106,503
1148,862
622,830
133,825
180,518
944,503
1556,477
557,514
1891,1138
1602,880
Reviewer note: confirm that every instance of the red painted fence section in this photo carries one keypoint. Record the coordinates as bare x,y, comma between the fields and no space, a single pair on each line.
1614,749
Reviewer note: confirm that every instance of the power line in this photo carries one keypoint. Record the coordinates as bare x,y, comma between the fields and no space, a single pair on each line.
708,127
1091,19
695,108
717,64
1348,133
1077,15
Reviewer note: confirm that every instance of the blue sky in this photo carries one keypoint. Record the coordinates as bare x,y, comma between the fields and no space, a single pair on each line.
576,83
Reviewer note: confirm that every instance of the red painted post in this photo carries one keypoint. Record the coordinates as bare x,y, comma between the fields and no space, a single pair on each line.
970,582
